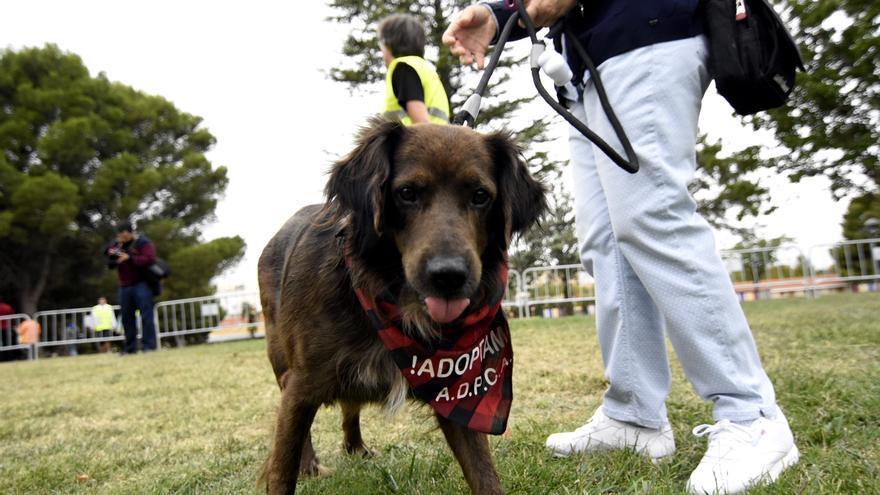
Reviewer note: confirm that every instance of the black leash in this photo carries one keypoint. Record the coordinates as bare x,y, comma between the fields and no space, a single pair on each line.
468,114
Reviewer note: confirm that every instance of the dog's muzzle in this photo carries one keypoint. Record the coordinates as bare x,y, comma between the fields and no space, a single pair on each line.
447,274
447,278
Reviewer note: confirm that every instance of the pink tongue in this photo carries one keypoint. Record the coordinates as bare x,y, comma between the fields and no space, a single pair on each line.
444,310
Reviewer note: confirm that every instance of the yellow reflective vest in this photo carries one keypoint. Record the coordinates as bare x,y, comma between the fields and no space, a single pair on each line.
435,95
104,317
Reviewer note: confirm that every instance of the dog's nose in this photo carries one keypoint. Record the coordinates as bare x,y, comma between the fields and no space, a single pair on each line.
448,273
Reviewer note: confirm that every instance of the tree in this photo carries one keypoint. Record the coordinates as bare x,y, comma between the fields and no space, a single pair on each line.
194,263
81,153
724,184
538,247
552,243
860,222
764,260
365,68
726,189
831,127
862,218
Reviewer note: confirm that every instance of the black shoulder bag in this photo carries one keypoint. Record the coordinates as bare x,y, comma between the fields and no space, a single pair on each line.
753,56
155,274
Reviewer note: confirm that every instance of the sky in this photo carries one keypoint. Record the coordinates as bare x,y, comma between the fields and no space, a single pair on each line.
256,72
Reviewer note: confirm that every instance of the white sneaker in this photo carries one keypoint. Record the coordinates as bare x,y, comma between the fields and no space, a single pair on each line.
740,456
603,433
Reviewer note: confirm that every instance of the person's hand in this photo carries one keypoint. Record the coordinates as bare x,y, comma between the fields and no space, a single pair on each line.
123,257
470,34
545,12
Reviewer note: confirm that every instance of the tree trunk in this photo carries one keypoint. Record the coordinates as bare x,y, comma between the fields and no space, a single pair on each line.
32,290
566,309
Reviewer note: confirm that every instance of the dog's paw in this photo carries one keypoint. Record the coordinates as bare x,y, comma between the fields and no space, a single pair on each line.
322,470
359,449
314,469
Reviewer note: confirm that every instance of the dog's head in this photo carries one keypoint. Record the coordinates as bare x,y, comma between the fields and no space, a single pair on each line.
443,201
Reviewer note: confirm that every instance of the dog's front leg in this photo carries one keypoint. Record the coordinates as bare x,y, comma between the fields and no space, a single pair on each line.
353,442
291,434
471,450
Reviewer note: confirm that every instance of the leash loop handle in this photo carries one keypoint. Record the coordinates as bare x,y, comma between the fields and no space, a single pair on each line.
631,163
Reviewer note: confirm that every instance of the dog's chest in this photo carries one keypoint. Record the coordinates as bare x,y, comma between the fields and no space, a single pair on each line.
367,372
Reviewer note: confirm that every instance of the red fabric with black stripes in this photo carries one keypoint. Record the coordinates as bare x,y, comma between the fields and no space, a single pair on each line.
466,375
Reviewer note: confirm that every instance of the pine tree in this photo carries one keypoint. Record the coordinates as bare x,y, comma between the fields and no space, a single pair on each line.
81,153
831,126
724,184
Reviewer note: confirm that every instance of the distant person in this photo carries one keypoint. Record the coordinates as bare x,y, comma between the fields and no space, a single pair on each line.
7,331
70,333
5,325
413,91
249,315
131,255
29,333
5,309
104,321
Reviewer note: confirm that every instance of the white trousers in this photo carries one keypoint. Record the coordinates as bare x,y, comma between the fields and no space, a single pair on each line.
652,255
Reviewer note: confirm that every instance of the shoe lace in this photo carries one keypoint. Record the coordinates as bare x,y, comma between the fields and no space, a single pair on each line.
724,430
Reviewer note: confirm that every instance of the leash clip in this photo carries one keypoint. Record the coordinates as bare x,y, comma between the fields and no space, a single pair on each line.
469,112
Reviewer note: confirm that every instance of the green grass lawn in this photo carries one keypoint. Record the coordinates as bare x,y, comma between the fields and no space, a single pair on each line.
200,419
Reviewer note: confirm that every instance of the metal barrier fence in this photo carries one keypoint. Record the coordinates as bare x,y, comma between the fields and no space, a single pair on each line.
755,273
513,295
554,285
201,315
851,262
759,273
69,328
9,341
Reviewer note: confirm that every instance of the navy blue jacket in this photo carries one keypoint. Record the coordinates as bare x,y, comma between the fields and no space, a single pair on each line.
607,28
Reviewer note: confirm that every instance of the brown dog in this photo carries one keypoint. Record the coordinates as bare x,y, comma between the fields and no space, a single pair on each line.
424,212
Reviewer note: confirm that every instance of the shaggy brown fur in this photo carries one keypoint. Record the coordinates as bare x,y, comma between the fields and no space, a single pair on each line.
425,211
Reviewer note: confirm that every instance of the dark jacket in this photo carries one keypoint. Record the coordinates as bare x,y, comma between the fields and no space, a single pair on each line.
141,253
6,310
607,28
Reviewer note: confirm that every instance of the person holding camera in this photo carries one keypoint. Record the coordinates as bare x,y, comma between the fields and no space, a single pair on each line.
132,254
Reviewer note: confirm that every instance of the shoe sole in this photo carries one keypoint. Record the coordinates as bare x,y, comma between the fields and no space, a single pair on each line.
654,460
787,461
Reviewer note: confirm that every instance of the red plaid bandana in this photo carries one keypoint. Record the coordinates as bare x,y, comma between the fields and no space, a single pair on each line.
466,375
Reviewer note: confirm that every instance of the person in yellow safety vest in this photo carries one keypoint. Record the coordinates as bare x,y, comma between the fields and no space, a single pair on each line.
414,93
104,319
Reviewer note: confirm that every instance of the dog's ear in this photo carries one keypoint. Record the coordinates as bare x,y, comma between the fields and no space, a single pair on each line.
358,182
521,199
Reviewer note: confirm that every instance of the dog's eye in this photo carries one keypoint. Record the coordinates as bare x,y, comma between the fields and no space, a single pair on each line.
408,194
481,197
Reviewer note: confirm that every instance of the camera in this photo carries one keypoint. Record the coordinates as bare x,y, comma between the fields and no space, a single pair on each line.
113,253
